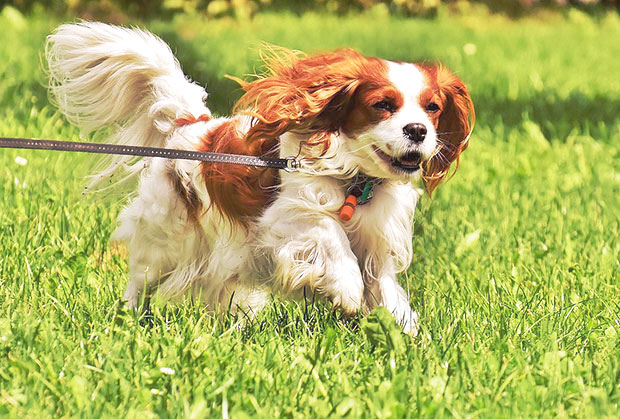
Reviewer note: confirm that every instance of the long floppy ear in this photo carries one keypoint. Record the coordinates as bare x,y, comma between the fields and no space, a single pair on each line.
303,94
454,127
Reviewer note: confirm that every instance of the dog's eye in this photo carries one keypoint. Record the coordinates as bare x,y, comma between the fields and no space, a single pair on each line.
432,107
385,105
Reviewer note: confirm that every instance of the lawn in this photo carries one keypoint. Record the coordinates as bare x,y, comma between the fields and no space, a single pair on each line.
516,271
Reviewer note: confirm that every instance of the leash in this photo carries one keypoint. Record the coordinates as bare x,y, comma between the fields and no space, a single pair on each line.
289,164
359,192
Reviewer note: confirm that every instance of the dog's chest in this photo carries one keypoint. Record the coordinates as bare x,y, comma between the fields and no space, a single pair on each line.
385,221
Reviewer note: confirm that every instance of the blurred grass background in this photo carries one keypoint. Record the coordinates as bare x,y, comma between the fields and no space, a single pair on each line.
121,10
516,258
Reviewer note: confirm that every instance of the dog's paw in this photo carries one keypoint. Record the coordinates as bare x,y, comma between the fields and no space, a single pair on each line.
130,298
345,287
409,322
350,301
406,317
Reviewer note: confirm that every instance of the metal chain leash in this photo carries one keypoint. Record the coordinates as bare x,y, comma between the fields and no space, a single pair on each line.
290,164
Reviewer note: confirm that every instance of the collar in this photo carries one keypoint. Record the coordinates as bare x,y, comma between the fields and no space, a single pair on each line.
359,192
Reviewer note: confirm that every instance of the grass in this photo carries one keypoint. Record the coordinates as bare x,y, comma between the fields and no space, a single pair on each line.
516,271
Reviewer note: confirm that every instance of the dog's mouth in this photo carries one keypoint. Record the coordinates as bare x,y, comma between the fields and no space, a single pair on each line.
408,162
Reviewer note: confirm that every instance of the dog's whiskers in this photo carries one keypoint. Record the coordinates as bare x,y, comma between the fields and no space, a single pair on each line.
451,132
446,144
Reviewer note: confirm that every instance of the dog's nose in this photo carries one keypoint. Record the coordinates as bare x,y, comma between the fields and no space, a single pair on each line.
415,132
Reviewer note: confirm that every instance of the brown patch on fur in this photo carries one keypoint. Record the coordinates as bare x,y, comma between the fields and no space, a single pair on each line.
239,192
453,122
187,193
314,95
363,114
317,96
191,119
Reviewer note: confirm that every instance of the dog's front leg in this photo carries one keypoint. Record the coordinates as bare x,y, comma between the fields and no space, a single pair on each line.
387,292
316,254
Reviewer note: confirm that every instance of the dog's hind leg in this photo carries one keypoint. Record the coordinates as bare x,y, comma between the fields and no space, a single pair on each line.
160,238
143,276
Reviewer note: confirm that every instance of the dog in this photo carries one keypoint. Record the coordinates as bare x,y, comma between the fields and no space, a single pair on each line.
364,129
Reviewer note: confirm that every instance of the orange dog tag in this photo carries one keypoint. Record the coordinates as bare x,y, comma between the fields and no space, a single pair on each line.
348,208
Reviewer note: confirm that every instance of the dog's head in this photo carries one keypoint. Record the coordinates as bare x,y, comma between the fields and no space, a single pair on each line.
397,120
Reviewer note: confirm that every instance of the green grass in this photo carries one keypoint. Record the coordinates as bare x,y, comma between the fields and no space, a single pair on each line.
516,271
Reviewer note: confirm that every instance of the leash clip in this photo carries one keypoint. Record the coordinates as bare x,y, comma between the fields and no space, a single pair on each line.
292,164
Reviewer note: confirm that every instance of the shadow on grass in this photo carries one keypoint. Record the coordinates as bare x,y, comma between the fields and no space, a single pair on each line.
223,93
557,117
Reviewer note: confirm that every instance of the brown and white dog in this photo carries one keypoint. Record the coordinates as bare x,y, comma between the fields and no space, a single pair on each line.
229,234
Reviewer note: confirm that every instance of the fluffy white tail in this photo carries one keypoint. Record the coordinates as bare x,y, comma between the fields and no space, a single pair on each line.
123,82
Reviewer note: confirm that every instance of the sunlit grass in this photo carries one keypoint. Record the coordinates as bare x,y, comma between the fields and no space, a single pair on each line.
516,263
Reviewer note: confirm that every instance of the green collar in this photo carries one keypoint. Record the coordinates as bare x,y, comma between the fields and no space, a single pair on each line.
359,192
363,187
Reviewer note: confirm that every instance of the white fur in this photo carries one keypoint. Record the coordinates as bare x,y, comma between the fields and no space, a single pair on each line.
128,83
125,82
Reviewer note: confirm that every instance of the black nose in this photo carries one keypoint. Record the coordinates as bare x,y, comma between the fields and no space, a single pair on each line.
415,132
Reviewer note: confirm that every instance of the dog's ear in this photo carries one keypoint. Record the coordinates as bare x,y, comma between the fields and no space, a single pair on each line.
303,94
454,127
239,192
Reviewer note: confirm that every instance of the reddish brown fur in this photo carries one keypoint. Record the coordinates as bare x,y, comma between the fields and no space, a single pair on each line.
362,114
312,95
239,192
315,95
191,119
187,193
453,121
318,96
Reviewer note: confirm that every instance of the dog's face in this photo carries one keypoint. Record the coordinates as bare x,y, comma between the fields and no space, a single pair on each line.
393,125
398,120
416,121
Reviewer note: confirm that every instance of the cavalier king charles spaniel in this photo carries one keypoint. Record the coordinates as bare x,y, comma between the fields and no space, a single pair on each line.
364,129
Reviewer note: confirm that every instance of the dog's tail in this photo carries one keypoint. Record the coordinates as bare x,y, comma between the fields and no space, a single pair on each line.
123,84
